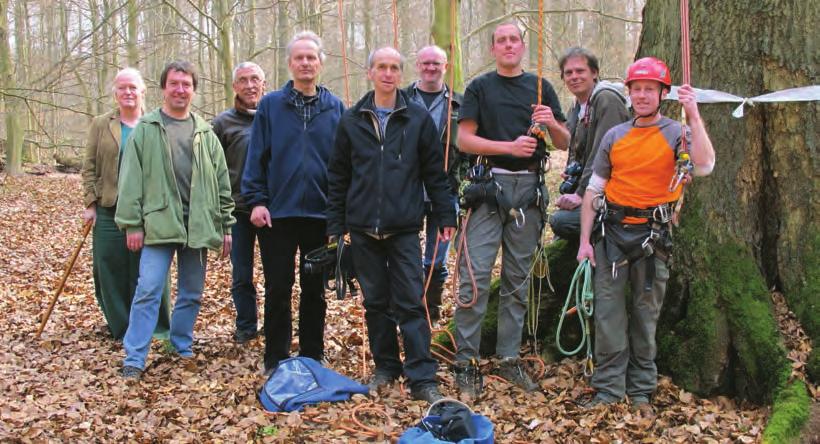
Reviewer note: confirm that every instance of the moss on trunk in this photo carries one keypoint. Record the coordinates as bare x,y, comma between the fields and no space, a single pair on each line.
791,410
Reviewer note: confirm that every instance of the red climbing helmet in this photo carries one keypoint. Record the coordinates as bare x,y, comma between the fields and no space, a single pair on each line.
649,68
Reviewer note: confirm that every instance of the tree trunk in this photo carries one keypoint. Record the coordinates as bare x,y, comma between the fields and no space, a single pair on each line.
224,15
14,131
749,226
443,37
132,18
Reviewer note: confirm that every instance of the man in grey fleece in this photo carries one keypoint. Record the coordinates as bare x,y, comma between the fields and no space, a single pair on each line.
598,107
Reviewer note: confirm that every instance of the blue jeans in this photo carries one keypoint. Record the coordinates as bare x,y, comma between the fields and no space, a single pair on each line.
154,265
440,272
243,292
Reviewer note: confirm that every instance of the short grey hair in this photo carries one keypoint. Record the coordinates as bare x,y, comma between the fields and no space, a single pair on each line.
372,56
244,65
310,36
435,48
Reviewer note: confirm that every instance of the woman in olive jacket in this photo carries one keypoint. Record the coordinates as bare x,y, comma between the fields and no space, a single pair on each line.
115,268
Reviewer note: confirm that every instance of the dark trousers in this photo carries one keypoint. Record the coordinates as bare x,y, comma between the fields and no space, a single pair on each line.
390,273
243,292
277,246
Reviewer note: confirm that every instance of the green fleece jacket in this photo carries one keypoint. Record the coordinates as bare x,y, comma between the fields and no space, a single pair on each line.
148,196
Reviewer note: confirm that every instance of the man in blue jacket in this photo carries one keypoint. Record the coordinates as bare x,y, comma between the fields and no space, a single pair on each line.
386,148
285,184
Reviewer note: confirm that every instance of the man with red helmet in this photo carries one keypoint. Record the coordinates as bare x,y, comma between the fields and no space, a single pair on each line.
631,177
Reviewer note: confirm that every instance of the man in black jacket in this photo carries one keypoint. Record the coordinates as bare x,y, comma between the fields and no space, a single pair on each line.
432,93
386,148
233,127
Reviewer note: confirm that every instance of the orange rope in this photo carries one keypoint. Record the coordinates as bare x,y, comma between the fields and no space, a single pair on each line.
344,52
452,84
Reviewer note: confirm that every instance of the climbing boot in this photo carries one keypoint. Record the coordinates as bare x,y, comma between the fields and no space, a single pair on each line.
513,371
642,406
379,381
468,378
427,393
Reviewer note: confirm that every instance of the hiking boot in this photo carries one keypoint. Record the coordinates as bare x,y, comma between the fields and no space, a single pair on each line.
642,406
512,370
599,399
129,372
244,336
427,393
468,378
379,381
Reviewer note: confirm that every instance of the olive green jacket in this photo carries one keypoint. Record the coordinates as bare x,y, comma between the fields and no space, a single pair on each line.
149,198
101,160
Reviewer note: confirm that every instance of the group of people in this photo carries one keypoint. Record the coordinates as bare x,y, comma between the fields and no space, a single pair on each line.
294,170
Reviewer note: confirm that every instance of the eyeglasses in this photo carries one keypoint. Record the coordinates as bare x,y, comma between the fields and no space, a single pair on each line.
431,64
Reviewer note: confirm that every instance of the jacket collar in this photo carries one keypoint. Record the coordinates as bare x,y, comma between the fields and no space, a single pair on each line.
414,89
366,104
321,92
154,117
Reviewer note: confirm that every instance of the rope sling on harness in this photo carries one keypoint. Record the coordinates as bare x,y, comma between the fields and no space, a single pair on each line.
581,288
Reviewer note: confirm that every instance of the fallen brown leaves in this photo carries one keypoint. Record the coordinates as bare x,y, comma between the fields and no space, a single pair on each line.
66,387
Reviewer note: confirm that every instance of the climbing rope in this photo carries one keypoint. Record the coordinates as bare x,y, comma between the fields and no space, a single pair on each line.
580,289
683,163
344,53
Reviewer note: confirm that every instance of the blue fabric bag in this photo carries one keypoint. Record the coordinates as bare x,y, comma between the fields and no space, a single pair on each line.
428,431
297,382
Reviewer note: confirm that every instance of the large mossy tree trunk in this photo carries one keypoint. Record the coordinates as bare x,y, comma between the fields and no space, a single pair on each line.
749,226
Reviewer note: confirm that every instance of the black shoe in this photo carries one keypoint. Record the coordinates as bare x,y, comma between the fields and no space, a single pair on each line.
244,336
427,393
433,298
129,372
512,370
468,378
379,381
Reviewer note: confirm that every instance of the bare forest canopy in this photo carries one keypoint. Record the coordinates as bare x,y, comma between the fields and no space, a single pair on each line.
58,57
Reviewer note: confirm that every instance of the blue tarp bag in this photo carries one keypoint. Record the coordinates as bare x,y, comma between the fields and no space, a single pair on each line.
301,381
453,422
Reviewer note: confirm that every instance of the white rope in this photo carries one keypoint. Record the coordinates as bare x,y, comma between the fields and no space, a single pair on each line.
801,94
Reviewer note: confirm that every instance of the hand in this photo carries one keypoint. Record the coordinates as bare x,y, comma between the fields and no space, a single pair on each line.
447,233
260,217
543,114
134,240
688,100
227,243
585,251
568,201
523,146
90,214
333,239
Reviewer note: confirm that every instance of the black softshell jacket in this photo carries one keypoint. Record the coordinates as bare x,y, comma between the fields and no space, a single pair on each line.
375,180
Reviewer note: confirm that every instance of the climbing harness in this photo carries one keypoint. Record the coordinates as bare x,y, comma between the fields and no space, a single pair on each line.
580,288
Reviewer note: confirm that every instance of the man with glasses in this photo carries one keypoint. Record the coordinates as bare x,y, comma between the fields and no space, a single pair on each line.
233,127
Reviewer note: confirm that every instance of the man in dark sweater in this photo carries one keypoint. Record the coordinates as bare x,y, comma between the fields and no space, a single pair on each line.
233,127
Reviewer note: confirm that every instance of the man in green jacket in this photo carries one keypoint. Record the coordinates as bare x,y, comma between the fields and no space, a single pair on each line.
175,198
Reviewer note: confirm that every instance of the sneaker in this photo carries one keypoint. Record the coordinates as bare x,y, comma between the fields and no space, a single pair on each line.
244,336
427,393
468,378
512,370
599,399
379,381
129,372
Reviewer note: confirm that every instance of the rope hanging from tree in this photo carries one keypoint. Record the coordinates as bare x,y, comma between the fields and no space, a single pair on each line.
683,164
343,35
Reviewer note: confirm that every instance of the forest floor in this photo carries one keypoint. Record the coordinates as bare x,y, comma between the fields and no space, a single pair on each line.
66,385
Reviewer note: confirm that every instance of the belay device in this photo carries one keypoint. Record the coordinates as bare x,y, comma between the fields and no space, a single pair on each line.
334,263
